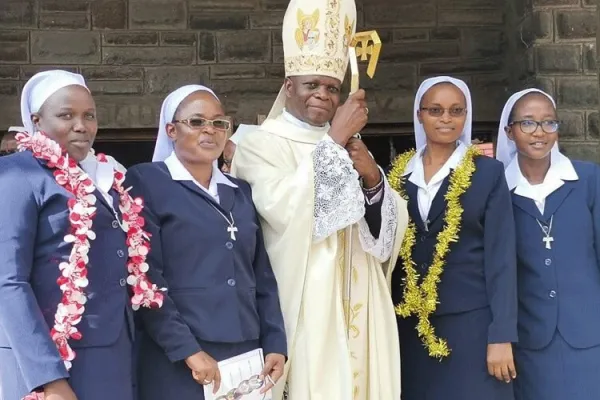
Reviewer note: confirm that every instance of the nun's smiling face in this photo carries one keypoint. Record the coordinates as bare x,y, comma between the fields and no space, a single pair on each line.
533,126
443,113
69,118
195,139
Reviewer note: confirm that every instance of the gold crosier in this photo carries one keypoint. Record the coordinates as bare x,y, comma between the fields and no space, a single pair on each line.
364,46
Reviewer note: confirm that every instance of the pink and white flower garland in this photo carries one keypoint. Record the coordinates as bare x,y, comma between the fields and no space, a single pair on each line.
73,279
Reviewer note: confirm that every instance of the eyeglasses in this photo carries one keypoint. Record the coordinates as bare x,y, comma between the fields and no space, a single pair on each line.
198,123
530,126
439,111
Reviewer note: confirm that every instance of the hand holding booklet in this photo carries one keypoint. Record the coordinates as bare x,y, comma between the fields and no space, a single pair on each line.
240,378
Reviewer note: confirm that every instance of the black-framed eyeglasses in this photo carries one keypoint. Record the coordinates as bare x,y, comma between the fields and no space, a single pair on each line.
198,123
530,126
439,111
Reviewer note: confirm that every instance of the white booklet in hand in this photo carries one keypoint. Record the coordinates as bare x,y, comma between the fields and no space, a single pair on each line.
240,378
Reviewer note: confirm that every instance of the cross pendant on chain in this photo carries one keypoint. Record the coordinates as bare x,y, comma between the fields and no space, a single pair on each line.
546,229
232,230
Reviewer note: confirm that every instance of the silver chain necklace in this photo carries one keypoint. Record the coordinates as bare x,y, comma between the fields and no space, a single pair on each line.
547,230
232,229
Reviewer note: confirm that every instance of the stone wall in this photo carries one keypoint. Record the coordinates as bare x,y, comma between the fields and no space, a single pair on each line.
463,38
133,52
562,57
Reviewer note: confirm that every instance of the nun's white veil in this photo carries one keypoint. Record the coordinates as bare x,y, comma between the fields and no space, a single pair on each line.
164,145
506,148
420,136
40,87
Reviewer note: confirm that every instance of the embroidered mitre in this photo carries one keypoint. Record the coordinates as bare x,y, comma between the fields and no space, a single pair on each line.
316,35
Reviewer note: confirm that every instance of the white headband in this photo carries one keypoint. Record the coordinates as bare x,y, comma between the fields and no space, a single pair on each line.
164,145
241,132
420,136
40,87
506,148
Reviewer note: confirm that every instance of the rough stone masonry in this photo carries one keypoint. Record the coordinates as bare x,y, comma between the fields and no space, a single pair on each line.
133,52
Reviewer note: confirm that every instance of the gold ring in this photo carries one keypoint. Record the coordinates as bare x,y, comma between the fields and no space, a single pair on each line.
367,110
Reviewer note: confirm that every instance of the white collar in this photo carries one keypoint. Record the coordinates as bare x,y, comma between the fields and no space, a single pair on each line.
180,173
102,173
416,165
293,120
561,169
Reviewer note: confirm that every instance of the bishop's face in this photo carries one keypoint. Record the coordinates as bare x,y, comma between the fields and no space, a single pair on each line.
313,98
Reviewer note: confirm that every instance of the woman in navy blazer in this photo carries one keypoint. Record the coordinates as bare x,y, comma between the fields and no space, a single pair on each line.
475,314
208,251
557,214
37,216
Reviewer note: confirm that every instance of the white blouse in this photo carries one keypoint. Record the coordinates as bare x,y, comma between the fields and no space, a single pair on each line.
561,169
427,191
102,174
180,173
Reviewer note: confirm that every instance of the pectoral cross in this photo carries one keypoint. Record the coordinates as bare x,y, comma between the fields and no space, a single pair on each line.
548,240
232,230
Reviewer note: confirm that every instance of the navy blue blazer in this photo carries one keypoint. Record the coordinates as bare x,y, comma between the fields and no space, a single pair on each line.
480,268
34,219
219,290
559,288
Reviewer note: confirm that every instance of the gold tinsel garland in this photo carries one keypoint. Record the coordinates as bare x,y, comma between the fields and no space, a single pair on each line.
421,300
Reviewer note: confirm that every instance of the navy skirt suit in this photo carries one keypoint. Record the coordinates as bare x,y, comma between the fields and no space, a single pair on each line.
34,220
477,293
221,293
558,354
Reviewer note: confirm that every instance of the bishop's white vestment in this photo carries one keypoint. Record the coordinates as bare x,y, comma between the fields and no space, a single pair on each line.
306,192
